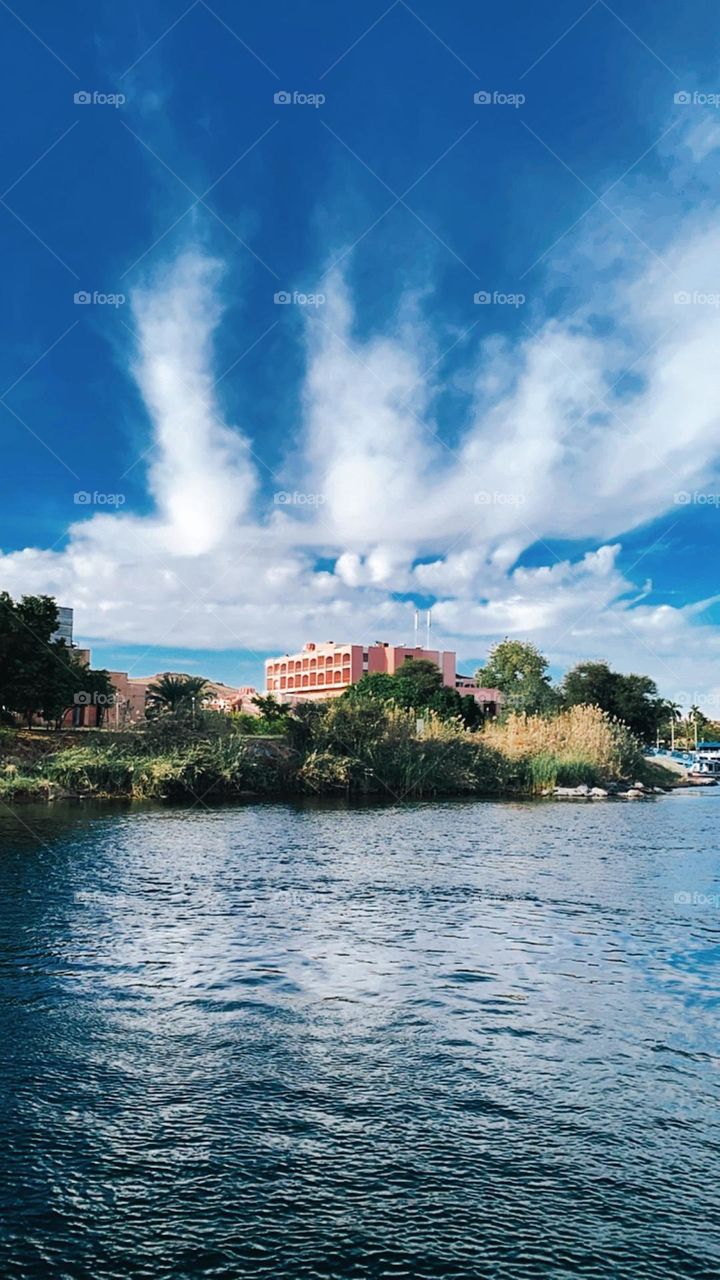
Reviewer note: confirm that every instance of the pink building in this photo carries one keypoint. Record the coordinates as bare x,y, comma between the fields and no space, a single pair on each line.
323,671
244,700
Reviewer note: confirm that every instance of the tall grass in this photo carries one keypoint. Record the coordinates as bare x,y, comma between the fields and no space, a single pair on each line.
582,744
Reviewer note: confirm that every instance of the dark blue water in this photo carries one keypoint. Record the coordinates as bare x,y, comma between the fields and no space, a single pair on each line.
443,1040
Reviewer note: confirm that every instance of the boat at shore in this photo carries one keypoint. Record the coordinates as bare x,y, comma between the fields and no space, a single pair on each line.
702,766
703,769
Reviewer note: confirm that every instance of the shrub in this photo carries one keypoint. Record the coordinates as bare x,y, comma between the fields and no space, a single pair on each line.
94,769
323,771
20,786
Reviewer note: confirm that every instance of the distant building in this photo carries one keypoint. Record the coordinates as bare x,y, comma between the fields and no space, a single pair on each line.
322,671
65,625
223,697
124,708
244,700
489,699
128,703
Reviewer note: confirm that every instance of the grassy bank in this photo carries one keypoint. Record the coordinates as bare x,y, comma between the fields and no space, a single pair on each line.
339,749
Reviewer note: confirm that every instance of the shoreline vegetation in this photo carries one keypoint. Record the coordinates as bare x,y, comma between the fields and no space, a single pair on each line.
343,748
398,736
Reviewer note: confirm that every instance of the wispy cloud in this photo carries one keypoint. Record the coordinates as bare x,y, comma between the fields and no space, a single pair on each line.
559,443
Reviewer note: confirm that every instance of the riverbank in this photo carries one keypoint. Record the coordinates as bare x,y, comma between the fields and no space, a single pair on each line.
337,750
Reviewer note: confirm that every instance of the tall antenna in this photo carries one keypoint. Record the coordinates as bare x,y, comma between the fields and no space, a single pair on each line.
417,624
428,629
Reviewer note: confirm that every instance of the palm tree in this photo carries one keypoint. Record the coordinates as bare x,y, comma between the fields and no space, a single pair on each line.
674,711
695,717
170,694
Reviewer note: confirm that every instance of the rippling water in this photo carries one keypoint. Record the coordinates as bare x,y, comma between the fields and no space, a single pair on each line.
443,1040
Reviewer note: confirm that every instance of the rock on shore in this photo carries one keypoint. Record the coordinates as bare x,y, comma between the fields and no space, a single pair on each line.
614,791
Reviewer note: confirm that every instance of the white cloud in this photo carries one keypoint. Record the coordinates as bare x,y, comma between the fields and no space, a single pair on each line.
200,475
551,449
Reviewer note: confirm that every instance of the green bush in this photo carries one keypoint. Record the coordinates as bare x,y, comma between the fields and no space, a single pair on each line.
20,786
94,770
323,771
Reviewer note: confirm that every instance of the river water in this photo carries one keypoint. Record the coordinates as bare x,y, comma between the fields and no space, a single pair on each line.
458,1039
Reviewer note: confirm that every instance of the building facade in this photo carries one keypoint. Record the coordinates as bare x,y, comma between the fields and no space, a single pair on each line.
322,671
125,707
64,626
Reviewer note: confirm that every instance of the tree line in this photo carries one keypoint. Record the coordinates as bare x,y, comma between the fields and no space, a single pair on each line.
41,675
520,671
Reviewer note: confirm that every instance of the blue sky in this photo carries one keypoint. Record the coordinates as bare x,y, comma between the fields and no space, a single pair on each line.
517,465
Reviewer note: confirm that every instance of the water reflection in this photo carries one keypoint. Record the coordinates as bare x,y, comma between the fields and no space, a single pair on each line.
443,1040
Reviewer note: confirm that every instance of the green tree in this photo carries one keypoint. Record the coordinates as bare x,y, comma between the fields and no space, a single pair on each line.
417,685
630,698
590,683
96,689
519,670
39,674
175,695
270,709
377,686
64,679
670,712
697,725
416,682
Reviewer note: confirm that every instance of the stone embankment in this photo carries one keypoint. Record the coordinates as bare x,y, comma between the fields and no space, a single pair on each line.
613,791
